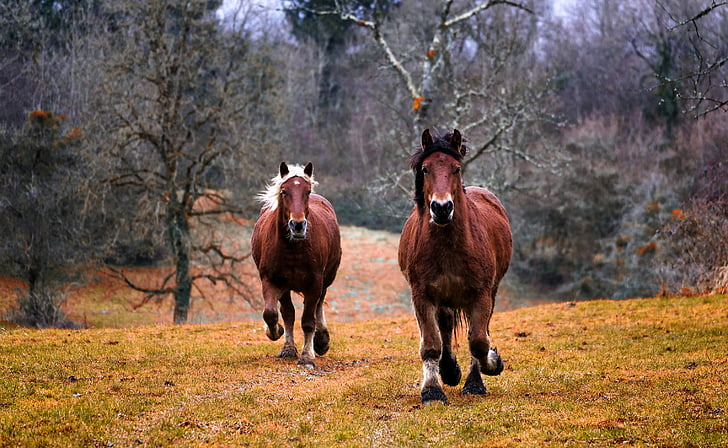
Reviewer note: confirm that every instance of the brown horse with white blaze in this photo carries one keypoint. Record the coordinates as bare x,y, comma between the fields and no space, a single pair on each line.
454,250
297,247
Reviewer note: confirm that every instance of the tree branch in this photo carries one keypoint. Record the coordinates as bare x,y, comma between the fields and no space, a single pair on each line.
379,39
150,292
480,8
678,23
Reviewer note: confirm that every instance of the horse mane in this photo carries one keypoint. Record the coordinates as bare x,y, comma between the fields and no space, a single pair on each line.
440,143
269,196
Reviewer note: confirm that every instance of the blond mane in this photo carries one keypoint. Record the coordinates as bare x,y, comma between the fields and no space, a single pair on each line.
269,197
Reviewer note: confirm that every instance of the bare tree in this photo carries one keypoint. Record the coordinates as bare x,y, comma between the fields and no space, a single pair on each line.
468,66
704,24
183,100
430,71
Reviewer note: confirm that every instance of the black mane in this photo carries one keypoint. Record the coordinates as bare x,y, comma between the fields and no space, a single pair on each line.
440,143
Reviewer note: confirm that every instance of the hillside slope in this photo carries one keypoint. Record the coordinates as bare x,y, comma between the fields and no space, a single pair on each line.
368,285
649,372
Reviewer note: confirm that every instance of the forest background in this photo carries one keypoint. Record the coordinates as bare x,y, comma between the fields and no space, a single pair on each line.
133,133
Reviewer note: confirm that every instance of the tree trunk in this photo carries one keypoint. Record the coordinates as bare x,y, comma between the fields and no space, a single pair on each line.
179,234
184,288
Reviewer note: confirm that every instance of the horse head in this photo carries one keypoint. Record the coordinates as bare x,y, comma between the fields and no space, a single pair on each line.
438,174
295,189
288,193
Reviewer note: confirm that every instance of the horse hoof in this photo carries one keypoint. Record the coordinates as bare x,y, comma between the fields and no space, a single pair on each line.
433,394
474,389
306,363
450,372
321,342
275,334
288,353
493,366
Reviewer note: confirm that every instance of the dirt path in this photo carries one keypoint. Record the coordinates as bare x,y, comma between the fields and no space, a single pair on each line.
369,285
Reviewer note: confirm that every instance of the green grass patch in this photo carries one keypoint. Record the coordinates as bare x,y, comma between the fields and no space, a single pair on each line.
648,372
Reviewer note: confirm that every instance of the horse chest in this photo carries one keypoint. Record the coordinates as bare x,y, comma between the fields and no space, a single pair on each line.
448,287
452,277
294,267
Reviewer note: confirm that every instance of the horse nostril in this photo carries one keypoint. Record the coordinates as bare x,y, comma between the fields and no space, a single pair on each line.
297,226
449,206
442,208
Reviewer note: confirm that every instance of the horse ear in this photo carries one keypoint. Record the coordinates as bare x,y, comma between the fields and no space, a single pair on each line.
308,169
456,142
283,169
426,139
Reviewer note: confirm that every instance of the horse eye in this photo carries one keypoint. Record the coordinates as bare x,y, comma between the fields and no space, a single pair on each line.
457,170
283,192
424,170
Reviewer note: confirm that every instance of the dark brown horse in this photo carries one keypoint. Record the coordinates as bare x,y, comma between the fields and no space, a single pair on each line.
296,247
454,250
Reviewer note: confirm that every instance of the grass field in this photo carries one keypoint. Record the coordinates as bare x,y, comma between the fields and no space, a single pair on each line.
648,372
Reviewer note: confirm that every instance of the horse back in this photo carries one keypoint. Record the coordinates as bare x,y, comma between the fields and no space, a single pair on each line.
325,233
487,209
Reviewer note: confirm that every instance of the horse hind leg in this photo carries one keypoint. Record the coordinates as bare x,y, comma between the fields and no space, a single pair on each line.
288,313
488,358
321,337
479,338
449,368
308,325
492,366
474,382
484,358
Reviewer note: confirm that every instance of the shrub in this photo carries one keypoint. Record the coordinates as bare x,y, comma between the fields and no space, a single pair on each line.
41,309
697,235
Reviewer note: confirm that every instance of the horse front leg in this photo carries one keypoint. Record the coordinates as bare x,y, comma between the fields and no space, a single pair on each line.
430,349
288,313
321,338
271,294
308,325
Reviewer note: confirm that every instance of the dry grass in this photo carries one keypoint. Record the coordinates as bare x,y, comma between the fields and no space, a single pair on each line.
648,372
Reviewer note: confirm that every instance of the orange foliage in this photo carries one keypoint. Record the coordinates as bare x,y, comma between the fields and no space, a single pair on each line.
431,54
40,120
598,259
647,249
41,117
678,214
417,103
653,206
74,134
39,114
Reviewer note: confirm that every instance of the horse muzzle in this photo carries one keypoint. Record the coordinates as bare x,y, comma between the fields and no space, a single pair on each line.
297,228
441,212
